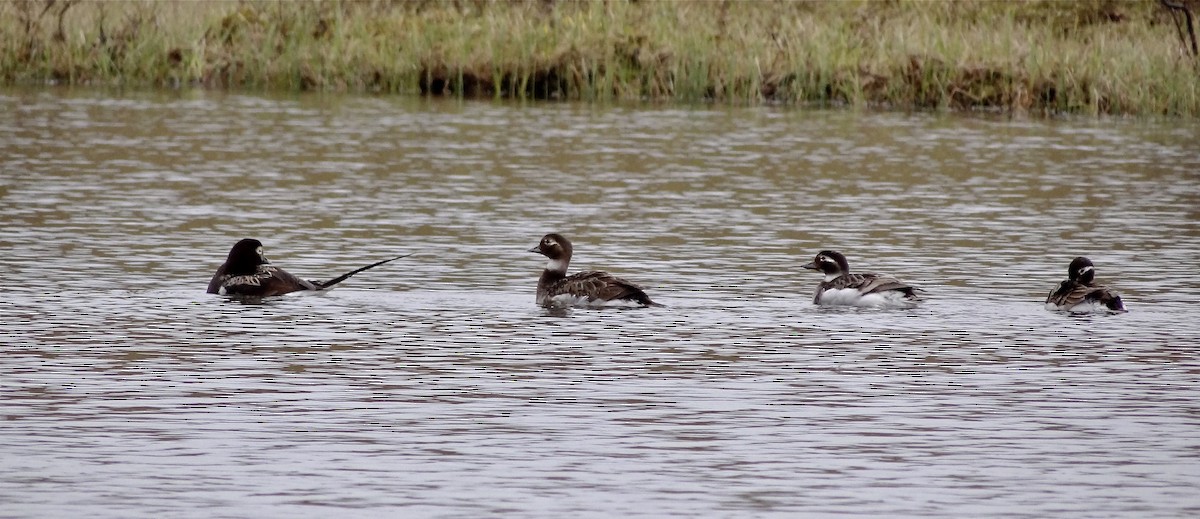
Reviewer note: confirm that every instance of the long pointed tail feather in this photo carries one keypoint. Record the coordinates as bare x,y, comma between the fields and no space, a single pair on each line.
325,285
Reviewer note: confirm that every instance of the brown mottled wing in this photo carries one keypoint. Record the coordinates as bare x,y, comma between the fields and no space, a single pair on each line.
267,281
1059,296
1108,297
871,284
283,282
600,286
1069,294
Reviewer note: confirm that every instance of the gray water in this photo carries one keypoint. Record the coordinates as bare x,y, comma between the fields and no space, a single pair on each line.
434,387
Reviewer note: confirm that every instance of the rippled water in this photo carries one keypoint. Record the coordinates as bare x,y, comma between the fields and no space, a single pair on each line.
433,386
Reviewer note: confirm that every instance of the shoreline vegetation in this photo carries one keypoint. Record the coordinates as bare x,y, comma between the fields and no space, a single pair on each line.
1033,56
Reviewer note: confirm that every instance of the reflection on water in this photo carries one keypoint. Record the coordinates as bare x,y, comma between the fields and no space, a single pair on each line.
433,386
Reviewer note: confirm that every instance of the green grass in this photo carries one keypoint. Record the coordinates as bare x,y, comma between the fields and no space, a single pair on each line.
1039,56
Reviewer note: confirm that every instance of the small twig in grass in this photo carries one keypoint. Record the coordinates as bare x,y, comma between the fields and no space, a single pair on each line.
60,34
1187,14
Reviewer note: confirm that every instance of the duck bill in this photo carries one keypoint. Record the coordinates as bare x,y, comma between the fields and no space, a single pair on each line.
536,249
811,265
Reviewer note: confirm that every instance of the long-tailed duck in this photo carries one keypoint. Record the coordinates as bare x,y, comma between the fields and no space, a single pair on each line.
556,288
1078,293
246,272
840,287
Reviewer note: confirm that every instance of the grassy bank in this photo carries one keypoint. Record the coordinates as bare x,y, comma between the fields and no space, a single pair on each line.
1089,56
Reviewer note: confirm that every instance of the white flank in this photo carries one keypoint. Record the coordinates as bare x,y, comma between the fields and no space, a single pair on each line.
1089,307
852,297
571,300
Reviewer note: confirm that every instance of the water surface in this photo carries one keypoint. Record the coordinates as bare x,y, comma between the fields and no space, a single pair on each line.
433,386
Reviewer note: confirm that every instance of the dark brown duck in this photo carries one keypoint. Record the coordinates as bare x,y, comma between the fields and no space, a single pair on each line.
1080,293
246,272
